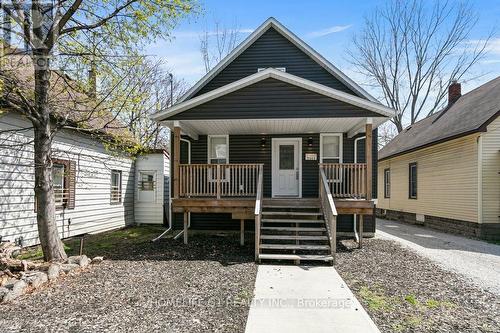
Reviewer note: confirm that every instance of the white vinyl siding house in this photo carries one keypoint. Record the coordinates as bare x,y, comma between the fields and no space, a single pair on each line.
98,206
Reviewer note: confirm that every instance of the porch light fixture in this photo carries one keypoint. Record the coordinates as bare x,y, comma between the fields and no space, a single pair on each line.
310,141
262,142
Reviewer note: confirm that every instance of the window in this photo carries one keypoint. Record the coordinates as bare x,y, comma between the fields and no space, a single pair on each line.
64,181
282,69
387,183
218,153
116,186
218,149
147,181
331,148
60,182
412,180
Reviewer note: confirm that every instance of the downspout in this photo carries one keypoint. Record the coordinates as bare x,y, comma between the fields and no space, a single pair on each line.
189,213
356,236
479,179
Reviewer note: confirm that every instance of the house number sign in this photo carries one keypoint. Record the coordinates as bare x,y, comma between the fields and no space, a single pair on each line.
311,156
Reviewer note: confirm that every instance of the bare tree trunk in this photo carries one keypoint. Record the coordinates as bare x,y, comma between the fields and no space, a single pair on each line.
53,249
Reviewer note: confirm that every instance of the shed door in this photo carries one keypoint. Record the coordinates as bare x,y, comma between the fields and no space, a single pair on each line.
286,168
147,186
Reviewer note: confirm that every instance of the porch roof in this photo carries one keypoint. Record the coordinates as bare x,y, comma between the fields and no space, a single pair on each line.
256,105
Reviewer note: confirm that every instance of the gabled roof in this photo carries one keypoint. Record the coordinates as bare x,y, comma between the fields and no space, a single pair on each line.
281,76
273,23
471,113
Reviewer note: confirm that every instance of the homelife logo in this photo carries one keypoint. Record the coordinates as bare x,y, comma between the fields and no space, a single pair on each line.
27,30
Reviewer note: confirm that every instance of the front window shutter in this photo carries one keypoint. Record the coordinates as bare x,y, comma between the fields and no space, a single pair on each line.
71,184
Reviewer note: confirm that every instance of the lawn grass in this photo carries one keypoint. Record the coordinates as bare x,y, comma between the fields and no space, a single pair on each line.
98,244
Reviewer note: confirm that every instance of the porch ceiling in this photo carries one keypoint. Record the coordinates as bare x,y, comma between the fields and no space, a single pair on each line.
352,126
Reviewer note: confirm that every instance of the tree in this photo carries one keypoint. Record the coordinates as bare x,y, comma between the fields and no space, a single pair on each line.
217,43
411,52
52,30
154,90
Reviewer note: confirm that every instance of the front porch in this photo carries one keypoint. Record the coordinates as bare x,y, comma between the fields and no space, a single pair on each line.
247,191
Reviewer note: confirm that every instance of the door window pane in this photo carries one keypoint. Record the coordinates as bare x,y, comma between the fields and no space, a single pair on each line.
147,182
287,158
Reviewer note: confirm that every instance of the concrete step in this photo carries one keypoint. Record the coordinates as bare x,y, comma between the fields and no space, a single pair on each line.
295,257
293,247
293,237
292,229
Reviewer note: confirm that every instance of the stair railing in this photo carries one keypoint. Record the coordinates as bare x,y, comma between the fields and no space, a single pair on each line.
258,211
329,211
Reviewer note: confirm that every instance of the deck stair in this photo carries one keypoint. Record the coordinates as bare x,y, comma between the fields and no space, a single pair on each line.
293,230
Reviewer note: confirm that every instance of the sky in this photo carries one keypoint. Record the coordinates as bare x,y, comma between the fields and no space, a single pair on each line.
326,25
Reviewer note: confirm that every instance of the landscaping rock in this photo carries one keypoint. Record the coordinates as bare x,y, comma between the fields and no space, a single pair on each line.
53,272
35,279
3,291
66,268
82,260
97,260
15,290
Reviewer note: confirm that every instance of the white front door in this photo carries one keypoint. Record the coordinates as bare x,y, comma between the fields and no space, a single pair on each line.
286,167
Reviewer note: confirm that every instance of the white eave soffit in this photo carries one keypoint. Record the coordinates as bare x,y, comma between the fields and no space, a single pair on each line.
272,22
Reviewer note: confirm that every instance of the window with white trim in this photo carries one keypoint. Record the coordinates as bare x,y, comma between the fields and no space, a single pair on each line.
218,153
387,183
60,183
412,180
116,186
331,148
218,149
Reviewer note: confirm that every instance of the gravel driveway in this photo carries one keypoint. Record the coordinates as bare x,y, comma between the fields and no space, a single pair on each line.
145,287
476,260
407,293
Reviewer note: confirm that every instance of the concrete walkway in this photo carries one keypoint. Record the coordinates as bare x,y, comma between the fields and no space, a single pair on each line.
304,299
476,260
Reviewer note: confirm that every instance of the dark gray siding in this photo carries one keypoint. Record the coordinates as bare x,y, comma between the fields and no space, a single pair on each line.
273,50
247,149
274,99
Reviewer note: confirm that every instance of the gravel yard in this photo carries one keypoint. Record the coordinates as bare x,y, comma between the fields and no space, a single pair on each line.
167,286
404,292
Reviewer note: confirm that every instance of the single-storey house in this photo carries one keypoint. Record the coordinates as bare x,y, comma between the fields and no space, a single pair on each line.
277,135
444,171
97,188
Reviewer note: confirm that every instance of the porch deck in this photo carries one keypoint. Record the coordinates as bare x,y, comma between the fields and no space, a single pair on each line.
243,207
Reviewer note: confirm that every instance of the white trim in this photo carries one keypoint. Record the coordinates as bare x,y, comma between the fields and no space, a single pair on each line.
189,149
356,148
273,164
278,75
273,23
341,143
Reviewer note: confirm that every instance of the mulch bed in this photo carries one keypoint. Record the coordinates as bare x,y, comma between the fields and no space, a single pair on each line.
404,292
165,286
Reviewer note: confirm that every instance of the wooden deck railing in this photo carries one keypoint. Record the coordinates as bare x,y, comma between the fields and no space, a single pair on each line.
218,180
346,180
329,211
258,212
